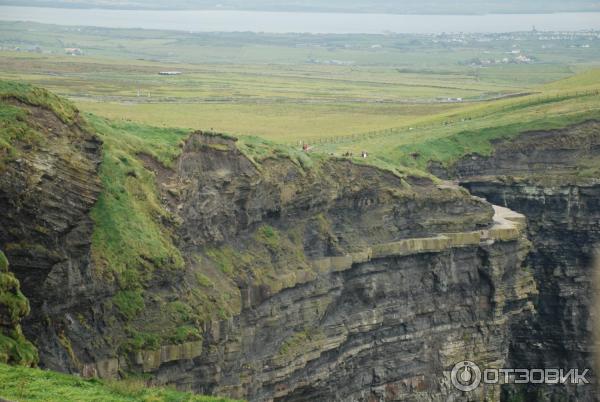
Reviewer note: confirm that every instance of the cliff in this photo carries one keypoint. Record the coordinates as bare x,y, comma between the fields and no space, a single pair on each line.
353,283
551,177
48,183
248,269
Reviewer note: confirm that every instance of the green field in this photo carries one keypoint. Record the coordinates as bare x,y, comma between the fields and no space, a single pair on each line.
287,88
392,95
453,134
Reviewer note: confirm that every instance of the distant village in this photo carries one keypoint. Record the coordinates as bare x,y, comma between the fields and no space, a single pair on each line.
512,53
504,48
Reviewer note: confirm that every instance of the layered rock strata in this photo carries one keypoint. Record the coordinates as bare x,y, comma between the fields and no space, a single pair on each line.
552,178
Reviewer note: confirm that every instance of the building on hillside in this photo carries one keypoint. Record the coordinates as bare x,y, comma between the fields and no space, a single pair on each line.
170,73
74,51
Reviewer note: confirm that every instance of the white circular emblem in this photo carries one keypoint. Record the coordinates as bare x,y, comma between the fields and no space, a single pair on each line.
465,376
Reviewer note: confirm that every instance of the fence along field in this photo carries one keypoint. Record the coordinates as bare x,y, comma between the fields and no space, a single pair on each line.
455,119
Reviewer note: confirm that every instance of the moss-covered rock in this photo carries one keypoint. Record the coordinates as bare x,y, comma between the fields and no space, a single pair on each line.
14,348
3,263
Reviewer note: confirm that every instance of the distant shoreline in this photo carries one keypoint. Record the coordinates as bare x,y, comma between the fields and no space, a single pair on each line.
341,10
297,22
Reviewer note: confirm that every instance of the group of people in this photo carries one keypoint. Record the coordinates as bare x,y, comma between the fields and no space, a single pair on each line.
363,154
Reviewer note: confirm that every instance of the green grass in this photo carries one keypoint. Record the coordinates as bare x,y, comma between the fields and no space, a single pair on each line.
271,85
130,241
15,127
282,122
140,341
257,149
129,302
278,86
185,333
37,96
449,136
24,384
448,149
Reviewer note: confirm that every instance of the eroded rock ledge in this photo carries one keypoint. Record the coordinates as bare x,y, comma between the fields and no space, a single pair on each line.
508,225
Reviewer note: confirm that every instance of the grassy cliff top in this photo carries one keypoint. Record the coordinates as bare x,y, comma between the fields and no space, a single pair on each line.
447,137
16,126
36,96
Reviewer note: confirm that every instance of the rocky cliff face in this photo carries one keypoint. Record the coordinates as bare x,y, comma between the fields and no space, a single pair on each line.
46,192
385,327
551,177
303,279
387,282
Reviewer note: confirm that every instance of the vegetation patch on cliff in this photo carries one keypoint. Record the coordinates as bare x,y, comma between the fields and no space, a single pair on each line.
257,149
25,384
448,150
13,128
14,347
132,236
16,128
269,258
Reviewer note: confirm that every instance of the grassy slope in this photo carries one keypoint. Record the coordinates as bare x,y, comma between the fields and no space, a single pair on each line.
129,240
25,384
449,136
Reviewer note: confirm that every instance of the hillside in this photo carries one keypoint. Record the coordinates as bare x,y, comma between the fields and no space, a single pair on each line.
448,136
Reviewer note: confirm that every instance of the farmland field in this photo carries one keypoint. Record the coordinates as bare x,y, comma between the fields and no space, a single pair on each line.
342,93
